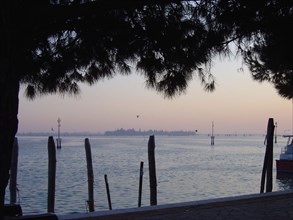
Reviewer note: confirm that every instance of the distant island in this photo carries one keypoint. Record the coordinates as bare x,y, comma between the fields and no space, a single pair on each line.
130,132
133,132
117,132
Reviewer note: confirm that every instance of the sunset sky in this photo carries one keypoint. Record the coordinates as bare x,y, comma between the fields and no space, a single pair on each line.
238,105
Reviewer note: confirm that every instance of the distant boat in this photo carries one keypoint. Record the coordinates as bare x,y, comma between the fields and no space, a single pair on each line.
285,162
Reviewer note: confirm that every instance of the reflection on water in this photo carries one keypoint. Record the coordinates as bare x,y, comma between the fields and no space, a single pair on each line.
285,181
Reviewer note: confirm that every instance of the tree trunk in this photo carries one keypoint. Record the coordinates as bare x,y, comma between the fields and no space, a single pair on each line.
8,129
9,89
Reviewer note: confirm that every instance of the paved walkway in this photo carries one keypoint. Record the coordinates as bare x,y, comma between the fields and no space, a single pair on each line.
267,206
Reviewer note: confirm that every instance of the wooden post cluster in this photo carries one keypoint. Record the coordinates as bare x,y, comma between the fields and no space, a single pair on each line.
52,175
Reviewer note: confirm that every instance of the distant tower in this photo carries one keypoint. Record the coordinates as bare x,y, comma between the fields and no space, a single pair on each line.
212,137
59,139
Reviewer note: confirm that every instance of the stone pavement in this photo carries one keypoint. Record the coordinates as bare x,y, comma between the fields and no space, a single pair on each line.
267,206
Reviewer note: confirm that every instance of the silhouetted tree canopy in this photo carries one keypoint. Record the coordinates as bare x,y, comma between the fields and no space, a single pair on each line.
166,43
169,42
51,46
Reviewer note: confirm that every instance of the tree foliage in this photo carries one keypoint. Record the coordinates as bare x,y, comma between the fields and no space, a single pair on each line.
261,30
168,42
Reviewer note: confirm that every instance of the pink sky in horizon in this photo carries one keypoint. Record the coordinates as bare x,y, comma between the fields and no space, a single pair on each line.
238,105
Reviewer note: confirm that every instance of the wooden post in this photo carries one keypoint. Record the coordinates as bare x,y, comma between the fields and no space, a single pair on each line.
59,139
212,136
108,192
270,146
51,174
90,175
267,170
13,172
263,174
276,125
212,140
152,170
140,183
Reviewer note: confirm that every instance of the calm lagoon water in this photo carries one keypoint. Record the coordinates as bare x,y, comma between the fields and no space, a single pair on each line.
188,169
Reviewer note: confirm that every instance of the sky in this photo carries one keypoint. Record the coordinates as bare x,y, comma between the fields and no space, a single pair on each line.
239,105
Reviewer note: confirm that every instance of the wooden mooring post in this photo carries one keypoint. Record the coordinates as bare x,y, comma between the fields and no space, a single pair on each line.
108,192
140,183
90,175
58,138
212,136
13,172
152,170
276,135
267,171
51,174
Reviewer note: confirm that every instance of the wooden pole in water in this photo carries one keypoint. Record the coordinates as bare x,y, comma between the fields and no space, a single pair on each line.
90,175
108,192
212,136
13,172
59,139
276,125
152,170
270,146
263,174
140,183
51,174
267,170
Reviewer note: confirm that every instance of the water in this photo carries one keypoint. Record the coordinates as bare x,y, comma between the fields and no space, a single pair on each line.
188,169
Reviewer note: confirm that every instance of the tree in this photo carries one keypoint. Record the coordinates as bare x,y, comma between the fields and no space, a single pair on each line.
264,40
52,46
